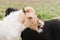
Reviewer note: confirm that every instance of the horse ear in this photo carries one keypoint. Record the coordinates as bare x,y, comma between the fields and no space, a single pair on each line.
23,10
28,9
9,10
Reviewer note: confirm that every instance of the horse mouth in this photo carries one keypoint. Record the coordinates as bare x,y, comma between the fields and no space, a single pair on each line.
41,25
40,28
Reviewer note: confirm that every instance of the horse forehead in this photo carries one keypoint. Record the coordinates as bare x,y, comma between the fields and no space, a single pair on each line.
31,14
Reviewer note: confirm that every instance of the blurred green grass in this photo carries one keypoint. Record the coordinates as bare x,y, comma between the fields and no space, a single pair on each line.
44,11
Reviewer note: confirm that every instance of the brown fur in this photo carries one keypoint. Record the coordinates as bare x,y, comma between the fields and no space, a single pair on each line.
29,18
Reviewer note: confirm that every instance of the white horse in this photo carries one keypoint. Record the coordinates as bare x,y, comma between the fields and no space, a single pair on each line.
12,25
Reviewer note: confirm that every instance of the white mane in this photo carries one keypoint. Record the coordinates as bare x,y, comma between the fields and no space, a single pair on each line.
10,28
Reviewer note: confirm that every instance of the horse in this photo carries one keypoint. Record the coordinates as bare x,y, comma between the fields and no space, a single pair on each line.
50,31
13,24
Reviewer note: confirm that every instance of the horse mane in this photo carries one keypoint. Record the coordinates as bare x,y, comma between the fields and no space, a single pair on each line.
9,10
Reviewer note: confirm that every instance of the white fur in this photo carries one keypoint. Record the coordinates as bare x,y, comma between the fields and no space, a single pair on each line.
41,25
10,28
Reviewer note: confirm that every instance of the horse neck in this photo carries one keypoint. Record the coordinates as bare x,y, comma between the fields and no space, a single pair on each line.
12,21
13,16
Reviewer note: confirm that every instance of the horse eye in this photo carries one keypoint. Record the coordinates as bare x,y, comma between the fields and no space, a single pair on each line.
30,17
27,10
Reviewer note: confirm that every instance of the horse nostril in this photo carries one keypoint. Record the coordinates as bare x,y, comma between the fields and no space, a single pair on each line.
41,22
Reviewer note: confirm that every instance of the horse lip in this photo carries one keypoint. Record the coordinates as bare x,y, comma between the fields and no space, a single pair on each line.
40,26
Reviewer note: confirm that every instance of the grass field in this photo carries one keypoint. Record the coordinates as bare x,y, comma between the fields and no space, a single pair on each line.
44,9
